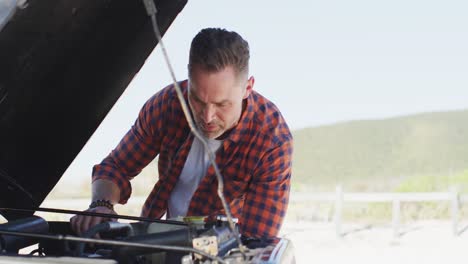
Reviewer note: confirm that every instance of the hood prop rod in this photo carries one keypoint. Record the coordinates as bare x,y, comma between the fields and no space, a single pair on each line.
65,211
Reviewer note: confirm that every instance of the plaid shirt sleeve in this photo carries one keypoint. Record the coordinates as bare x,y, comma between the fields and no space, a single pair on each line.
137,149
267,199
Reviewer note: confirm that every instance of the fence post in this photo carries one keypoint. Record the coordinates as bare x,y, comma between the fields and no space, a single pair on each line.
396,216
338,210
455,210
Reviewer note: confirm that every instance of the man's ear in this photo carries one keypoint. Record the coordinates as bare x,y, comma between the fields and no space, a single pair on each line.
249,87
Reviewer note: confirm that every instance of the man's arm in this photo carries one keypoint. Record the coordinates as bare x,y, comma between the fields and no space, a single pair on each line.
105,190
267,198
111,178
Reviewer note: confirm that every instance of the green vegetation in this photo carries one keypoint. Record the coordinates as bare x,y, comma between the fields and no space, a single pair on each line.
419,153
435,183
380,155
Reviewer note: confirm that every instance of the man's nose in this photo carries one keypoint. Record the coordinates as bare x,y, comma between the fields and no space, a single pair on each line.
208,113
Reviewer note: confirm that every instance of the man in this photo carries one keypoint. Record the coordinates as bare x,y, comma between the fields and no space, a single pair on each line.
252,142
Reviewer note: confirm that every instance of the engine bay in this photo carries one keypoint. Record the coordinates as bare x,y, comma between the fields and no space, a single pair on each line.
148,241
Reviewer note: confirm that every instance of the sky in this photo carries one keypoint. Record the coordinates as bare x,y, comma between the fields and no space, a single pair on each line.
319,61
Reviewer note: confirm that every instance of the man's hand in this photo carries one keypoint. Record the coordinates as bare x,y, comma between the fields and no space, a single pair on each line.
82,223
102,190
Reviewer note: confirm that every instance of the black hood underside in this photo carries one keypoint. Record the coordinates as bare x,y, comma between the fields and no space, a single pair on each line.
63,65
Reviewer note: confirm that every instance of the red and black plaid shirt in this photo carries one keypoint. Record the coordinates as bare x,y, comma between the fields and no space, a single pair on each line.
255,161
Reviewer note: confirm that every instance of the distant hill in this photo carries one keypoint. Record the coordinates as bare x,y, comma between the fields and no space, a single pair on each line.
381,153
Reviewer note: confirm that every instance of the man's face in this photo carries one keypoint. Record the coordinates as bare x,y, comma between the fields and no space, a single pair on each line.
216,99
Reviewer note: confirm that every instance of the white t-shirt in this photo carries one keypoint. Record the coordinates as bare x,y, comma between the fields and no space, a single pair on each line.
194,170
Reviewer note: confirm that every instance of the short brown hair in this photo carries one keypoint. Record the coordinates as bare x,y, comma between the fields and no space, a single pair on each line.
213,49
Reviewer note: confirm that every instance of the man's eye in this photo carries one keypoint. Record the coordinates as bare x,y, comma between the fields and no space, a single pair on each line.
196,100
201,103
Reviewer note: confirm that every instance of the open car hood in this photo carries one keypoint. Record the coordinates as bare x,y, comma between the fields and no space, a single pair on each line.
63,65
